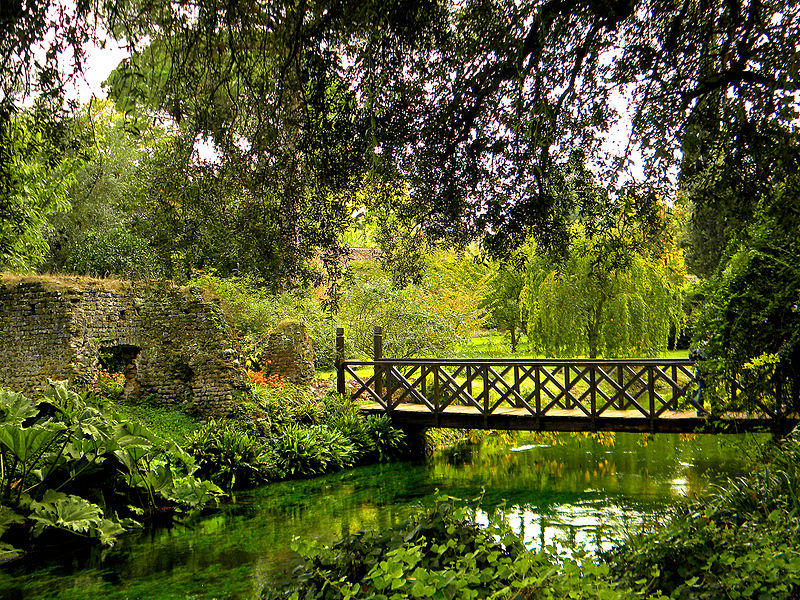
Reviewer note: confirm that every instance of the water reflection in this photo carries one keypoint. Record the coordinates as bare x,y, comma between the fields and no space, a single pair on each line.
554,489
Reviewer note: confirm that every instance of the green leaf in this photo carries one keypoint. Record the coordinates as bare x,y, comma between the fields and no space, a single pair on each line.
16,407
8,517
26,443
68,512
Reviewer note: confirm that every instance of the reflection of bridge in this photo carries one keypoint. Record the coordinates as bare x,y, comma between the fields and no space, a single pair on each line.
645,395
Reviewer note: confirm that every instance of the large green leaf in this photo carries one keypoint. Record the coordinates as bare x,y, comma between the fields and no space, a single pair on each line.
159,478
16,407
26,443
128,433
190,491
63,511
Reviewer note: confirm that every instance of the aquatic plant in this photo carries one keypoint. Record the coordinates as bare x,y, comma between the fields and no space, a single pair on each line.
442,552
71,468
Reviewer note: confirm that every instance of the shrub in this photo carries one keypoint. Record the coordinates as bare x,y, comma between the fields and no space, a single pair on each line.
373,437
302,451
255,312
229,456
414,323
288,433
113,252
71,468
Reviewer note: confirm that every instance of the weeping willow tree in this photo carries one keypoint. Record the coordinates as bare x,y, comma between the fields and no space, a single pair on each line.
588,304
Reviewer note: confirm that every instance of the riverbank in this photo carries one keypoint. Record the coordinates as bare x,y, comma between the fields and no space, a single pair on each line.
556,488
739,542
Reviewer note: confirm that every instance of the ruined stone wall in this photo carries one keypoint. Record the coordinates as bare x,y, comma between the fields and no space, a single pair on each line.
290,353
175,346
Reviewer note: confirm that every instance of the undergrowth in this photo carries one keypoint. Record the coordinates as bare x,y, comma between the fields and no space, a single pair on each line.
288,433
741,542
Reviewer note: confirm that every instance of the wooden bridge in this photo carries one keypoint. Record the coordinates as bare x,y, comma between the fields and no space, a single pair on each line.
640,395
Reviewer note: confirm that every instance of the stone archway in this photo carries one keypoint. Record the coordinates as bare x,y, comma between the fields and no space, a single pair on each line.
122,358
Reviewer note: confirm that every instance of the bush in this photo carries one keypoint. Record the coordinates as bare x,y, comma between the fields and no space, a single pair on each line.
73,469
255,312
113,252
373,437
288,433
303,451
414,323
231,457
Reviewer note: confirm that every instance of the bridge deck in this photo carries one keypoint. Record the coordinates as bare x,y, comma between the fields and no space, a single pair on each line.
507,418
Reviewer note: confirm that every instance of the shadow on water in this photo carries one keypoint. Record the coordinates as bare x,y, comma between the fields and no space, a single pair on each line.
554,489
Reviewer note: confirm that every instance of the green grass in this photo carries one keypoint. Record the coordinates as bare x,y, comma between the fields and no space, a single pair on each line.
164,421
498,345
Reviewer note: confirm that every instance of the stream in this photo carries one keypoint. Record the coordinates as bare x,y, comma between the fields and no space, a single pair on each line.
556,489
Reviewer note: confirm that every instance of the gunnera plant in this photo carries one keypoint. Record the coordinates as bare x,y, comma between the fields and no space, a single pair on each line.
72,470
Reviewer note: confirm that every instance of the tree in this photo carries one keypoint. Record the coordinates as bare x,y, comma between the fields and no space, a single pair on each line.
611,294
474,105
488,114
36,182
266,85
414,323
503,302
95,236
751,318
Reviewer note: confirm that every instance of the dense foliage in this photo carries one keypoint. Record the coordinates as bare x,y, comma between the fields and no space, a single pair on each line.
417,320
750,320
286,433
35,177
71,469
740,543
255,312
470,108
442,552
616,291
414,321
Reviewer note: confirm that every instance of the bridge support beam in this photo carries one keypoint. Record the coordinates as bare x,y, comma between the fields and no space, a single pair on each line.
415,441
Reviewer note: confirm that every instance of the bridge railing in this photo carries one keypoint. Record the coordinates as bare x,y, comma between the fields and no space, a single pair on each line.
538,386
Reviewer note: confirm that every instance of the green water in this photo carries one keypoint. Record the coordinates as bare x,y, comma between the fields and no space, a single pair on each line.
555,490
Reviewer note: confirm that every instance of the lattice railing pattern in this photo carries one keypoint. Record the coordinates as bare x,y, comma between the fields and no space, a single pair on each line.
593,387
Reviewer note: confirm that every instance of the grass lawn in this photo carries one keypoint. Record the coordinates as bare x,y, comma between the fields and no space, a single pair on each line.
166,422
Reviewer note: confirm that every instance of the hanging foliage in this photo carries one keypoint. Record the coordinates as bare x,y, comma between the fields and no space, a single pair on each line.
583,305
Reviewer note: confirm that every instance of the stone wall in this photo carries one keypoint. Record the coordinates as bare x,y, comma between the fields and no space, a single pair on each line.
171,343
290,353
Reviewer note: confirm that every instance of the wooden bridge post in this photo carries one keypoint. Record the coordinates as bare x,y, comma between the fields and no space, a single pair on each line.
651,392
621,391
377,346
339,360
